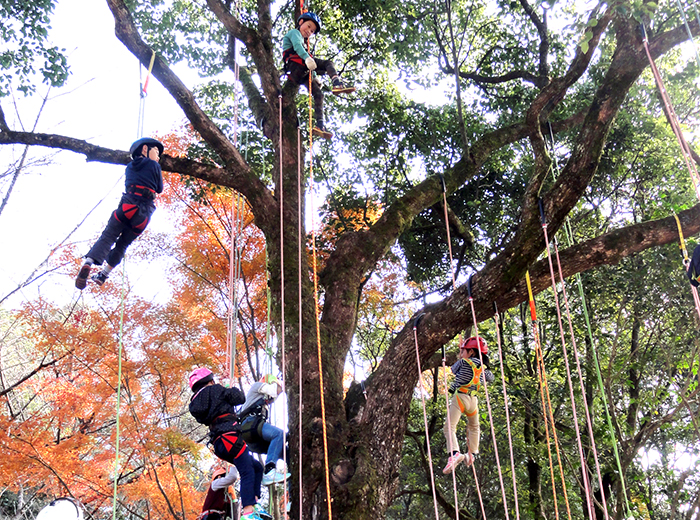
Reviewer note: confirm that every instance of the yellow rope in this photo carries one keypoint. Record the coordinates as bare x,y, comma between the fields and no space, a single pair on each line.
682,246
318,322
547,408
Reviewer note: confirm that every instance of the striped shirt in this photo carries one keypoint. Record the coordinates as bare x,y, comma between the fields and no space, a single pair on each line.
464,374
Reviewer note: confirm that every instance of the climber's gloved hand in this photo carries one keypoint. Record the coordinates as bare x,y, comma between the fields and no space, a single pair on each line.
310,63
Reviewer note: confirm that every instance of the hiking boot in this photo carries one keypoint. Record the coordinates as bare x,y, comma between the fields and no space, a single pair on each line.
99,278
453,462
81,279
273,477
340,88
319,131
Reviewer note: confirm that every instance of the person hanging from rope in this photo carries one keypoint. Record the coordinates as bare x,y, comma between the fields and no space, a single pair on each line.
214,406
694,267
470,374
144,180
221,502
298,64
260,435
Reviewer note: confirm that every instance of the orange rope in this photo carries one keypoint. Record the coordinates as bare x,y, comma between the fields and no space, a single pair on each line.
541,376
584,467
318,321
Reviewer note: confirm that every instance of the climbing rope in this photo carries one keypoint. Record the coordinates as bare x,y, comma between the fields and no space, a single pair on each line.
488,407
425,420
687,28
542,378
686,263
235,274
119,390
584,467
318,321
300,249
673,120
594,354
589,421
282,302
143,92
444,367
505,402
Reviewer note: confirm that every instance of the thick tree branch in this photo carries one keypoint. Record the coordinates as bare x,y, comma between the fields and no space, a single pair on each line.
126,32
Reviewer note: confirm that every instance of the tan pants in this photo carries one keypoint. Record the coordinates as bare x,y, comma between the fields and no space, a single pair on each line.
469,405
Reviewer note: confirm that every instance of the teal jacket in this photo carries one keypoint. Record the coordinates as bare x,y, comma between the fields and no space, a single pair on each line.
293,43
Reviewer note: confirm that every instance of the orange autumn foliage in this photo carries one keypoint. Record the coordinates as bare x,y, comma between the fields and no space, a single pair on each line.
58,432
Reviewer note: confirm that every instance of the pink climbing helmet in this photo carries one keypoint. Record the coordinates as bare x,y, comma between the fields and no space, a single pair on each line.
200,375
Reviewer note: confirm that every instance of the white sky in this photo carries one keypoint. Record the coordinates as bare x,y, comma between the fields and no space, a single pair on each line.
99,104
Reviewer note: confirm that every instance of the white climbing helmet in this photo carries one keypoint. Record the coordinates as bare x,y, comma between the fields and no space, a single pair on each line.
64,508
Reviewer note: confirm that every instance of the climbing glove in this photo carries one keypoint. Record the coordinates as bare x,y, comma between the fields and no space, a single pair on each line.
310,63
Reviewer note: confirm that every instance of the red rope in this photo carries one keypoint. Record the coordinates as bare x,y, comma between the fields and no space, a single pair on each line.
488,407
425,422
510,436
589,422
584,468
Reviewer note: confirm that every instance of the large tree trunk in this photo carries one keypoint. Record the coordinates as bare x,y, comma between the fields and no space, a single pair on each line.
364,443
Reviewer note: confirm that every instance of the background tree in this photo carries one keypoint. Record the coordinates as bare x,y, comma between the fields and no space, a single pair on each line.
525,81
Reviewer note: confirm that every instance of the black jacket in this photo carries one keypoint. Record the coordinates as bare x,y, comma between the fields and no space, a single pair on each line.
214,405
146,172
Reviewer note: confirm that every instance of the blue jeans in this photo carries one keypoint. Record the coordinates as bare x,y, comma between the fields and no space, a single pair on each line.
276,438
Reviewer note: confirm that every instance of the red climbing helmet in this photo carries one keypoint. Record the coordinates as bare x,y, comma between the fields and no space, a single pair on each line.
477,343
310,16
200,376
135,148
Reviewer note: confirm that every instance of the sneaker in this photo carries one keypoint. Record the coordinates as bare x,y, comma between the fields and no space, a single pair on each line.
469,459
319,131
81,279
262,513
252,516
273,477
340,88
99,278
453,462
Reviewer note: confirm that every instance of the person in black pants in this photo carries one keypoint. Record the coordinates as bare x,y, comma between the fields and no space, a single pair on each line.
214,406
299,63
144,180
